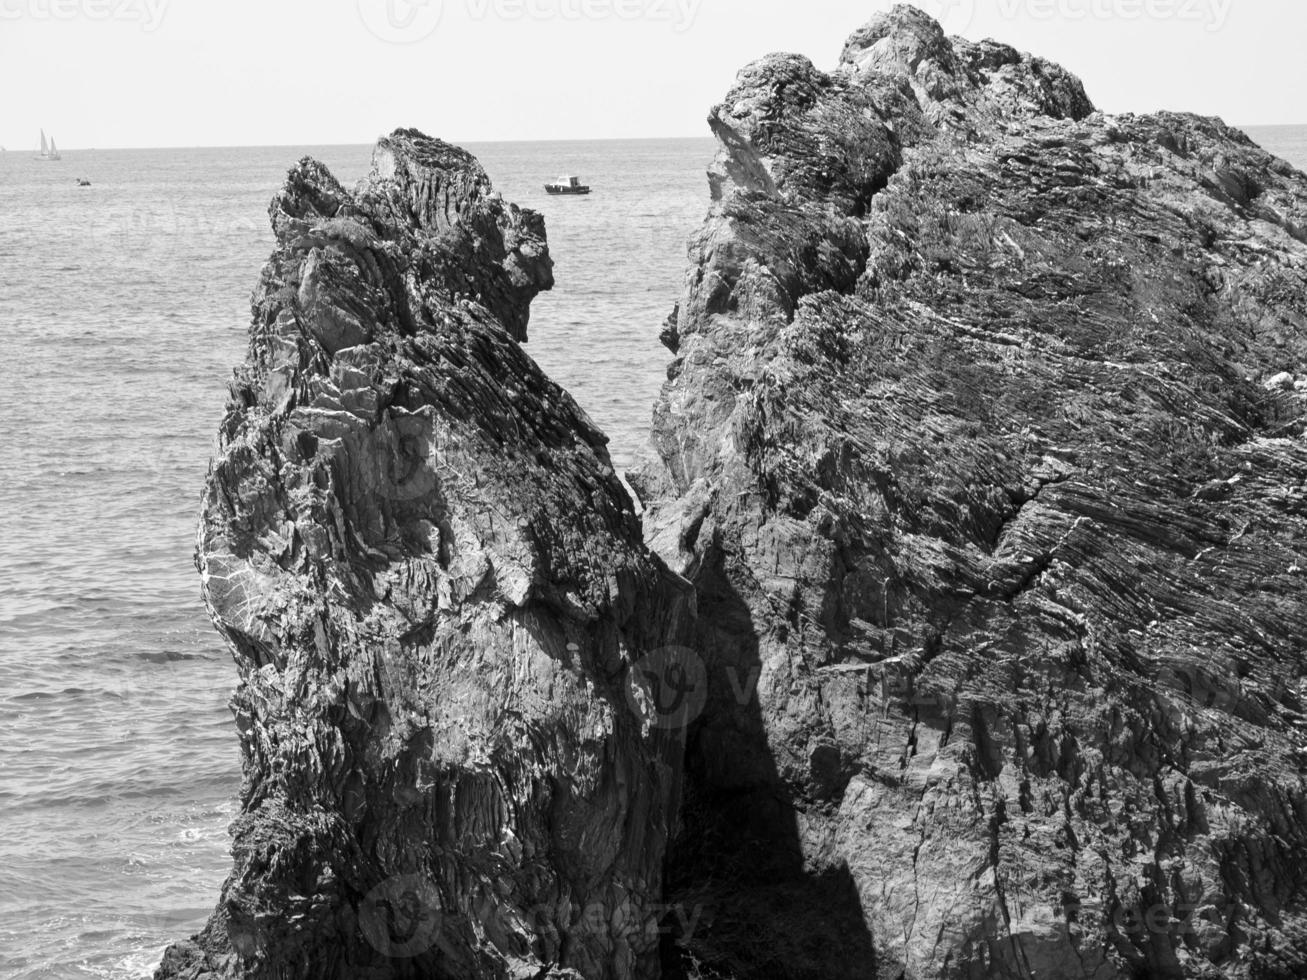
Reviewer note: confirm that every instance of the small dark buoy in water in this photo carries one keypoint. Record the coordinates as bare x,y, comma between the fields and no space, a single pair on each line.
83,182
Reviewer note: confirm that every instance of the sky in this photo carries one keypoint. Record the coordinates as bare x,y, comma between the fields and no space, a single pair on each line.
143,73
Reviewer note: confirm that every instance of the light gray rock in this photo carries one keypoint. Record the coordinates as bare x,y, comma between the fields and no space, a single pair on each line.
959,454
1280,382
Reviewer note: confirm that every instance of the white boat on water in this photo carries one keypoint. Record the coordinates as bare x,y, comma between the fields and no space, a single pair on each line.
48,150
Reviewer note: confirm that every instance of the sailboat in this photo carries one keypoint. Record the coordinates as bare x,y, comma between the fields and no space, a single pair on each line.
48,150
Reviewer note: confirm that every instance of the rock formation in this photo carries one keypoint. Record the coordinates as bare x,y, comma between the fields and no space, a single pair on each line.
981,502
998,535
434,586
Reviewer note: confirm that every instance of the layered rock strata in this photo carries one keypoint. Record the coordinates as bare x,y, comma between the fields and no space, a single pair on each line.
983,455
983,450
434,587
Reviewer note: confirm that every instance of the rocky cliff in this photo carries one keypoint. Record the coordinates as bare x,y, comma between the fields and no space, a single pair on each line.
983,450
968,640
434,587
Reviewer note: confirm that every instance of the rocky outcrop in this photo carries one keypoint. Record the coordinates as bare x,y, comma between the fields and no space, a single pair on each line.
998,534
435,589
975,646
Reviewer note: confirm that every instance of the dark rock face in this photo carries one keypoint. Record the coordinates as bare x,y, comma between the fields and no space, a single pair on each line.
434,586
983,451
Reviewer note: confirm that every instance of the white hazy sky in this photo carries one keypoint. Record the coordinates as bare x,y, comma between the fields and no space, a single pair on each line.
134,73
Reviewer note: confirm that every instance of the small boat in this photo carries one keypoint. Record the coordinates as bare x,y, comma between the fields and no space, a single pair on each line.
568,185
48,150
83,182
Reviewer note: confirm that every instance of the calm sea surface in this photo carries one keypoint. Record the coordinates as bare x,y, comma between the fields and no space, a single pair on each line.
124,307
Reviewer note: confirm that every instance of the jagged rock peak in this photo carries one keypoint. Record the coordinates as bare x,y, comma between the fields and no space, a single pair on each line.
425,196
435,591
435,180
899,81
958,84
814,147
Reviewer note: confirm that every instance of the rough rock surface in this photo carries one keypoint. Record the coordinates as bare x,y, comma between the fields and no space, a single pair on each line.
434,586
984,453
